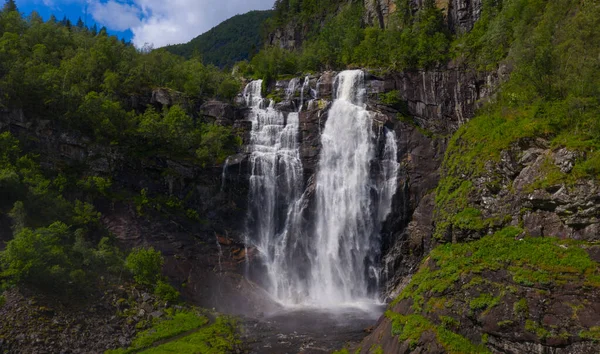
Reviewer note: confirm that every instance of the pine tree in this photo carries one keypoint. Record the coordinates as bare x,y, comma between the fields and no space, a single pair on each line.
103,31
52,19
9,6
80,23
94,30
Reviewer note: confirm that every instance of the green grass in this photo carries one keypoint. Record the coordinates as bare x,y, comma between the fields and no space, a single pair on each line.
453,269
219,337
521,308
531,261
411,327
199,336
180,323
538,329
483,302
592,334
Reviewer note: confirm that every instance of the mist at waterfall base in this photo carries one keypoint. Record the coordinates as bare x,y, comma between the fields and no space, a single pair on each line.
320,249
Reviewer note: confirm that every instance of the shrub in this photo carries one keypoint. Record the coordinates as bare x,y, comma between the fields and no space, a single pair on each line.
145,264
166,292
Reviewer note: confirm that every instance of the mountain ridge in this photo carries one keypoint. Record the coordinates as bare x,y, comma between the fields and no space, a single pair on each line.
231,41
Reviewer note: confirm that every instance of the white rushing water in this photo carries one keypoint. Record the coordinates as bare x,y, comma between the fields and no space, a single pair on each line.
333,260
348,219
275,184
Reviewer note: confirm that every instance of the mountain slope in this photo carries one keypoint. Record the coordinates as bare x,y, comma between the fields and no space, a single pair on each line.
231,41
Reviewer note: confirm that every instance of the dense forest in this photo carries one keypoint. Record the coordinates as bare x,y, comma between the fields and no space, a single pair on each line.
236,39
87,81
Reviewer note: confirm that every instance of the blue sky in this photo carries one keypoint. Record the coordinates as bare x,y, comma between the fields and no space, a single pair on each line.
155,22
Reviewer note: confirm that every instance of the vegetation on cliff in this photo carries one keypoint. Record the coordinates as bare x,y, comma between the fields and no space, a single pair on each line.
503,283
85,82
236,39
414,39
553,94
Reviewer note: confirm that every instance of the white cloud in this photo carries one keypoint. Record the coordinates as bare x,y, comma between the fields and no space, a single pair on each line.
116,16
161,22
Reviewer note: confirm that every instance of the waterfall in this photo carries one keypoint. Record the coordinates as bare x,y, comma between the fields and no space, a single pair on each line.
349,203
332,259
275,184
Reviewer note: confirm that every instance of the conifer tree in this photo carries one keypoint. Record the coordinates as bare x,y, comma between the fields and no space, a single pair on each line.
9,6
80,24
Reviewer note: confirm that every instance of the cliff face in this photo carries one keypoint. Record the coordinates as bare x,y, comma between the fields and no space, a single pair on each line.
514,204
198,253
461,16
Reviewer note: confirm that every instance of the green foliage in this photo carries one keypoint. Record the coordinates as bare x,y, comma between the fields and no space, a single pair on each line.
173,127
543,261
56,258
421,41
449,322
411,327
145,264
272,62
538,329
92,83
181,322
219,337
521,308
483,302
552,93
187,332
233,40
64,256
166,292
217,143
592,334
391,98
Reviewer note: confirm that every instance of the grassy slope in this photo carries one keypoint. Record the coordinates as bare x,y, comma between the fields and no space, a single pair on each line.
492,282
553,93
186,332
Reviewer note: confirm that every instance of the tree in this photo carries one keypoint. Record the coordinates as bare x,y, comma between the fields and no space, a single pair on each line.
94,30
9,6
80,25
145,264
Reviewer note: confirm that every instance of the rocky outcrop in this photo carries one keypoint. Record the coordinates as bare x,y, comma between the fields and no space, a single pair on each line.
441,100
460,15
531,186
378,12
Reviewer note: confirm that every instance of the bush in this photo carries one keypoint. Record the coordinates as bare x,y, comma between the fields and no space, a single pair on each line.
38,257
145,264
166,292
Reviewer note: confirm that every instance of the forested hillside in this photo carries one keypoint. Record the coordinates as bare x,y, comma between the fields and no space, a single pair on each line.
233,40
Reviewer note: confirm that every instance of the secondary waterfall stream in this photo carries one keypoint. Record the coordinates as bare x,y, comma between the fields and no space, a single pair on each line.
332,259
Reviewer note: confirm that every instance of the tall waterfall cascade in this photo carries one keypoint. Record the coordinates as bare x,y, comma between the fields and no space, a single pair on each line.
333,258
